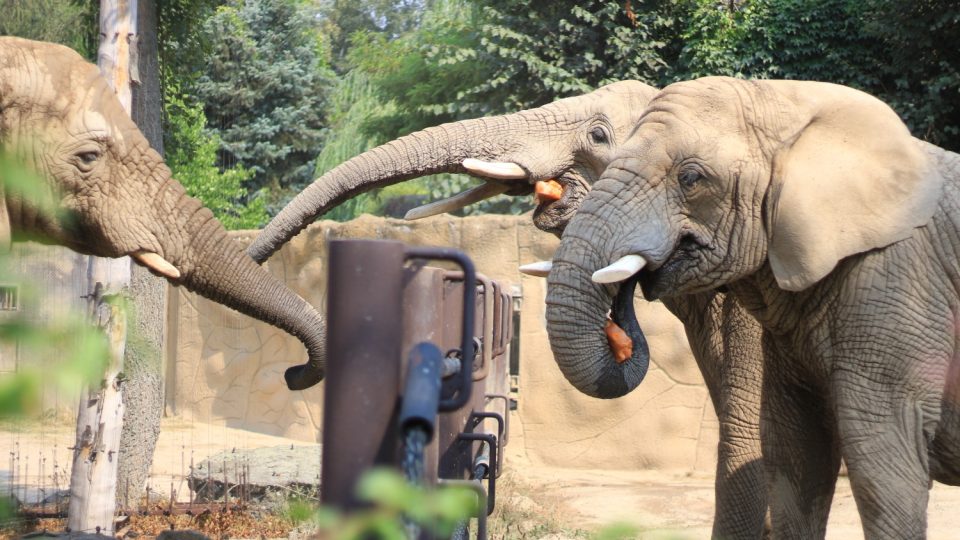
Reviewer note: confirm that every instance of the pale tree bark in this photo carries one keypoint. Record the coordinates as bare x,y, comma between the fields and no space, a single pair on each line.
143,363
93,480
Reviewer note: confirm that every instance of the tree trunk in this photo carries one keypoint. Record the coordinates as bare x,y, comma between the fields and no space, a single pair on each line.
93,480
143,362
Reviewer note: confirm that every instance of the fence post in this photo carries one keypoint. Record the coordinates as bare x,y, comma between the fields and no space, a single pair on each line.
364,332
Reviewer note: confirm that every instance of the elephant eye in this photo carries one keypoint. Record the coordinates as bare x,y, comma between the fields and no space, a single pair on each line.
689,177
598,135
85,160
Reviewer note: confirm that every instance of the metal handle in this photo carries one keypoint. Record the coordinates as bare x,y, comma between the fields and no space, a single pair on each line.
501,433
462,395
494,471
506,415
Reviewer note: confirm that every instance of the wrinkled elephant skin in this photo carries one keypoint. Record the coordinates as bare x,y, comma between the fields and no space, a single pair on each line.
108,194
820,214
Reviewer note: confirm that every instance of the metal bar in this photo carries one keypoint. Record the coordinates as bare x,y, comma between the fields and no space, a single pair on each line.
501,430
363,368
506,415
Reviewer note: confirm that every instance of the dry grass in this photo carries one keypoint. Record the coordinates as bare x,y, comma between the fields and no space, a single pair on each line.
525,512
219,524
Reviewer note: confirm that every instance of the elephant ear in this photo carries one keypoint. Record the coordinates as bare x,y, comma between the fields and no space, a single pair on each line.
850,178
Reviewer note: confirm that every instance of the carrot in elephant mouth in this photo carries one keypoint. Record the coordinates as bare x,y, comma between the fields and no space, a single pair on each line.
620,343
547,191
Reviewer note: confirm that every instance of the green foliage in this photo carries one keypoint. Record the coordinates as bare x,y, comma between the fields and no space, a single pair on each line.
342,18
473,59
192,156
901,51
393,499
353,102
57,21
264,89
542,51
617,531
922,69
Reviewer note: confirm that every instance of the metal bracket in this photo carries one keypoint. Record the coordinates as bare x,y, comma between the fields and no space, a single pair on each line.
492,474
469,287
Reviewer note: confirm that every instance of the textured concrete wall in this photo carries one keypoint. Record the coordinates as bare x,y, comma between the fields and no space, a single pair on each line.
226,367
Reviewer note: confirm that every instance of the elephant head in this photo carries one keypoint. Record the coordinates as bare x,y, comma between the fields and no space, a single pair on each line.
570,140
109,194
719,178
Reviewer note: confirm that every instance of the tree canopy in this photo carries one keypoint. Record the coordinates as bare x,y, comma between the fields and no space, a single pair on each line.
290,88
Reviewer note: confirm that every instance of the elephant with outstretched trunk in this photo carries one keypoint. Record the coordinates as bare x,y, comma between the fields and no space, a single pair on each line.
569,143
107,193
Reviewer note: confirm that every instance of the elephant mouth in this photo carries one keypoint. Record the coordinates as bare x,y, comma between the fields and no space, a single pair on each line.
624,315
658,281
553,215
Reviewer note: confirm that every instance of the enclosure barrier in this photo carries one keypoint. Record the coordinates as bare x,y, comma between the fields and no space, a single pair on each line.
417,371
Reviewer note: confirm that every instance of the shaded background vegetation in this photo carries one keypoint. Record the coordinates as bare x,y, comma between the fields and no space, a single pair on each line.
260,96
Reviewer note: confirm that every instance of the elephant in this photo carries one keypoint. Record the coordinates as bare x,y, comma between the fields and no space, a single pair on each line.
571,140
805,201
108,194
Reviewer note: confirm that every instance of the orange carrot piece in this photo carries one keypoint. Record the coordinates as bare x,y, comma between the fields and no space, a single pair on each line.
548,190
620,343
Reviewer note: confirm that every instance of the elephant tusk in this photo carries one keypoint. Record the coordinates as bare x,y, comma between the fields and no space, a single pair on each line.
625,267
537,269
458,201
494,169
157,263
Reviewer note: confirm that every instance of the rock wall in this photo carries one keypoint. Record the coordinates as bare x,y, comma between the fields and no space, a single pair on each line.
225,367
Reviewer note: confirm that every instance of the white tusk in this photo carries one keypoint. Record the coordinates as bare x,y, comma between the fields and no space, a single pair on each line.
157,263
627,266
494,169
468,197
537,269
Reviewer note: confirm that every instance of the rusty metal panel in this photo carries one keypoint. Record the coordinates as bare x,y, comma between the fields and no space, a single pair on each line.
455,456
379,309
423,321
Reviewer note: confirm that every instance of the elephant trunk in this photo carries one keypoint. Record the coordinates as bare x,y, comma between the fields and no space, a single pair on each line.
215,266
577,316
433,150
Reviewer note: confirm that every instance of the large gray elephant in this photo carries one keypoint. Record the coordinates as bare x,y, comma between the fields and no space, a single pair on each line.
110,194
572,140
813,205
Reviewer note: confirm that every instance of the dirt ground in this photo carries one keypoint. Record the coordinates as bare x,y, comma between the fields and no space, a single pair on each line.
663,504
679,504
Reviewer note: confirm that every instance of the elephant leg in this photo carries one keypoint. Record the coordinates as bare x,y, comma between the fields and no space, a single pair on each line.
741,502
885,449
725,340
800,452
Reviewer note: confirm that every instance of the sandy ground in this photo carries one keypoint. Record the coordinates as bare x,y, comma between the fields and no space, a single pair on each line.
664,504
681,505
